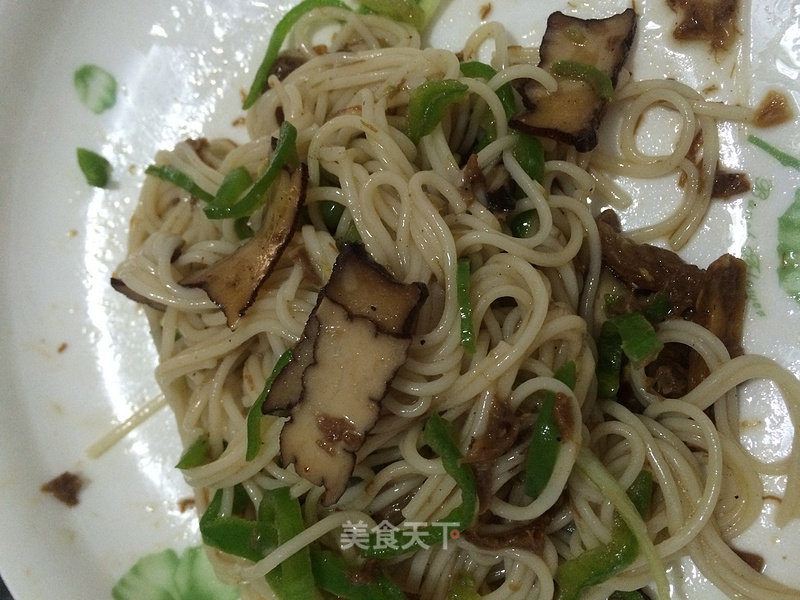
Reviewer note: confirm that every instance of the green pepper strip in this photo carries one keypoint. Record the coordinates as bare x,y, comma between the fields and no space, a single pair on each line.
546,438
439,436
529,153
181,179
630,334
254,415
656,307
196,454
428,103
233,185
609,361
242,228
599,81
334,575
525,224
279,520
480,70
598,564
639,340
279,34
236,535
255,196
465,305
292,579
404,11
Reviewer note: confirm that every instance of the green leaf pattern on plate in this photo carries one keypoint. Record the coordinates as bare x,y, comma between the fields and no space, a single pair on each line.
168,576
96,88
789,249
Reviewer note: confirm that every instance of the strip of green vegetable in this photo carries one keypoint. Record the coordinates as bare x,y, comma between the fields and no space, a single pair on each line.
439,436
463,274
631,335
254,415
196,454
546,437
428,104
247,538
505,93
232,187
279,35
180,179
292,579
336,576
598,564
255,197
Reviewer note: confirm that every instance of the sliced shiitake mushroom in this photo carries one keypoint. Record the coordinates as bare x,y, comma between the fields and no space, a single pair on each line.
572,113
354,341
233,282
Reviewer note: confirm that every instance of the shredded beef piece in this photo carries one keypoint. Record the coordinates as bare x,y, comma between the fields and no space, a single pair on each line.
65,488
649,268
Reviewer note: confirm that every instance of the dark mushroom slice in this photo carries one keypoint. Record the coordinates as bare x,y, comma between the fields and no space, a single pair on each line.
123,288
233,282
572,113
354,341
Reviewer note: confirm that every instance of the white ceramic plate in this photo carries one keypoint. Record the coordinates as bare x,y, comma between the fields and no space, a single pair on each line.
76,357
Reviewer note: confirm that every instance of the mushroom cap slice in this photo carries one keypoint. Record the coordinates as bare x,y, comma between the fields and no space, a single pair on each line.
354,341
233,282
572,113
353,364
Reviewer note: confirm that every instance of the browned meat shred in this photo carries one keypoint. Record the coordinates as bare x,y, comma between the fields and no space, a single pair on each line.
712,21
727,184
648,268
501,433
774,109
715,298
529,537
65,488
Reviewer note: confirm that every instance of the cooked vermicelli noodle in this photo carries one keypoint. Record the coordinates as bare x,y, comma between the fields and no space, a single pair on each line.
533,309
